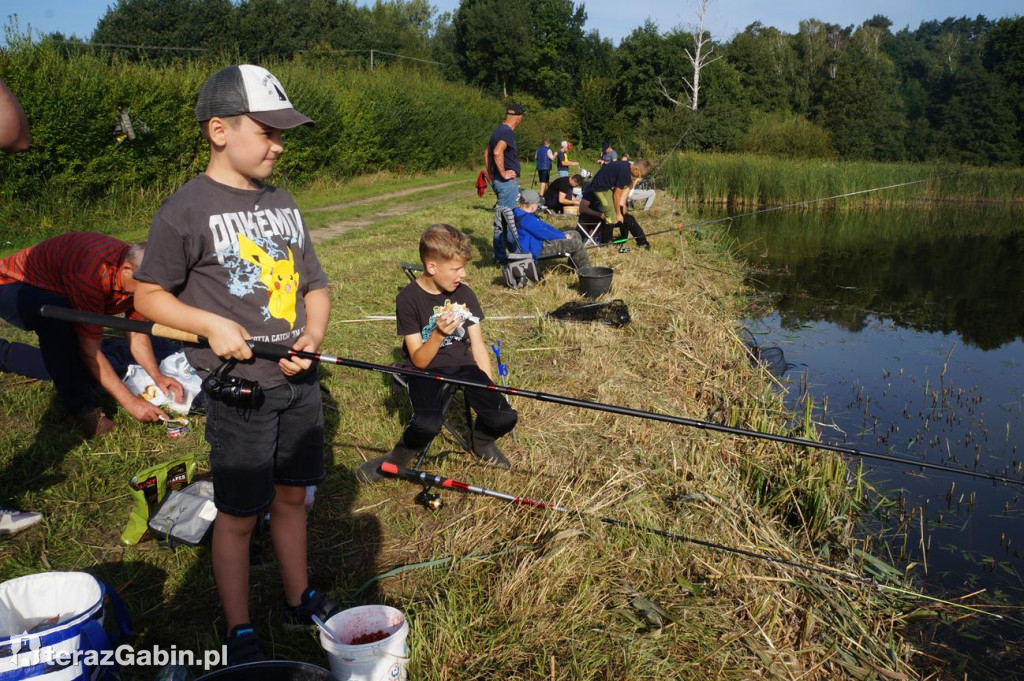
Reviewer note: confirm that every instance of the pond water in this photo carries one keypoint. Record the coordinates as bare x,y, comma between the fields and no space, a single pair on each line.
907,327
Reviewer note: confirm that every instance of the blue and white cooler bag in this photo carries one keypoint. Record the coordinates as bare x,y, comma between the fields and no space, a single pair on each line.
52,624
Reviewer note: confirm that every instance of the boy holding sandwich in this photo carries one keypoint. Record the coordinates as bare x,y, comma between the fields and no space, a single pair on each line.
439,320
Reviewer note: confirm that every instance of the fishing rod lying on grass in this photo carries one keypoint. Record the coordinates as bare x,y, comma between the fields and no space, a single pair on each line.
433,502
272,351
680,228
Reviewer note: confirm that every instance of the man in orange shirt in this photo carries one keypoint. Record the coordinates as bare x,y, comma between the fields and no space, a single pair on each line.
90,272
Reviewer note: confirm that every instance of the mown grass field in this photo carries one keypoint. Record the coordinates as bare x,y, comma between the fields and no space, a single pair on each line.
500,591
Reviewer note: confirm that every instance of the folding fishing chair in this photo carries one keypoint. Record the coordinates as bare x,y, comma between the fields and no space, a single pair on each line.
447,392
591,232
518,267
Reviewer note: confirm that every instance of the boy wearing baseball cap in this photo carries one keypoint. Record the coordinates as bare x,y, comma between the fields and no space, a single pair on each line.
230,259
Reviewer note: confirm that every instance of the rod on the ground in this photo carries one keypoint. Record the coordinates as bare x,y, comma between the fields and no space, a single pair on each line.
430,480
272,351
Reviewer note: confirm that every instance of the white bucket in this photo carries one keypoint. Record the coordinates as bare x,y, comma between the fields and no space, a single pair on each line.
382,660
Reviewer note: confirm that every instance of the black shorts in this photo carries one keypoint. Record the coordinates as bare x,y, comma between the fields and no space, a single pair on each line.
544,175
279,443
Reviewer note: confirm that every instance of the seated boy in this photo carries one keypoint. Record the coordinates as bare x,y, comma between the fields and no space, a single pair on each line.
541,239
560,193
439,319
230,259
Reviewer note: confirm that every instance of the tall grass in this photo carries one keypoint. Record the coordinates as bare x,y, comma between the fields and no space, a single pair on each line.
750,180
500,591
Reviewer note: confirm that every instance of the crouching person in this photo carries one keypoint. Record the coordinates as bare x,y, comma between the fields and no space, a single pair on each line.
439,319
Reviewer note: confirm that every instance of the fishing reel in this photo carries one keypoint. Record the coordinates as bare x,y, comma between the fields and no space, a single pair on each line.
429,500
232,390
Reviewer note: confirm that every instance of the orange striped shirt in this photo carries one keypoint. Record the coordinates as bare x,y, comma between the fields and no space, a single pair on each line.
81,266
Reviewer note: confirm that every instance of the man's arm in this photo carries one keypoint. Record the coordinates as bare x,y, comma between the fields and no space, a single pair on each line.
619,197
537,228
318,311
479,350
100,368
226,338
14,131
499,161
142,350
567,199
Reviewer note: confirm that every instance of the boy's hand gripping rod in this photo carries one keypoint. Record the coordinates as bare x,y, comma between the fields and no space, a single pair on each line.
272,351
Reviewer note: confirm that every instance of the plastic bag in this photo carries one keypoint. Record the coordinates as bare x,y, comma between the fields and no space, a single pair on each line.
140,383
185,516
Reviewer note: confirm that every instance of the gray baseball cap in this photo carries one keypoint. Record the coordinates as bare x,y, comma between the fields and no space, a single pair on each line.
249,90
529,197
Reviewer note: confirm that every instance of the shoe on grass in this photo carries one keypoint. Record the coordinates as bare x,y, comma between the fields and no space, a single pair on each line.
313,603
489,453
93,423
243,646
13,521
400,456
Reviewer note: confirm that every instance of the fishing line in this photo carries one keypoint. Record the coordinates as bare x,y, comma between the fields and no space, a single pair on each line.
696,225
272,351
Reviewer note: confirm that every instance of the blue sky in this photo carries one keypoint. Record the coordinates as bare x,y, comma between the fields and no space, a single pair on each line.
613,18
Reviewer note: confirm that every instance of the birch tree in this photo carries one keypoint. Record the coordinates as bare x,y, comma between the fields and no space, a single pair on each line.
699,57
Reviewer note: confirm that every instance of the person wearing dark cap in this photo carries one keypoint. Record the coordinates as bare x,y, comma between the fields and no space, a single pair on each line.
229,258
501,157
608,155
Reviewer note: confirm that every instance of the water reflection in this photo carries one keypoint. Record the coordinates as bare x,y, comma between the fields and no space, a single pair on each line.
909,324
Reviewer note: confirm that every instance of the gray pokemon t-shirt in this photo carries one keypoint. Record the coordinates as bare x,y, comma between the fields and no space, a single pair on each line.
244,254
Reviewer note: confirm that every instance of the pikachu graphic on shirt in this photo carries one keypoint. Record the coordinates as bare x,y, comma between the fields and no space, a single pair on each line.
279,276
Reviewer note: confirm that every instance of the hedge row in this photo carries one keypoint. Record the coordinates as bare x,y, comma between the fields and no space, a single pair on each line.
385,119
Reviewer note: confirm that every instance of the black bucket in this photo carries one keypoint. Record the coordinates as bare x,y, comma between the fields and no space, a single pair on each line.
273,670
595,281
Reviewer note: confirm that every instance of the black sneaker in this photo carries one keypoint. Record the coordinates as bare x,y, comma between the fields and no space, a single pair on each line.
370,470
313,603
243,645
489,452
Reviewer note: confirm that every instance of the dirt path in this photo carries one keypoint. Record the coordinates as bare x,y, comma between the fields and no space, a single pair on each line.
382,197
340,227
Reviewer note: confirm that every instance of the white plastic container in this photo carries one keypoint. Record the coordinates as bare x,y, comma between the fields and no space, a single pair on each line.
382,660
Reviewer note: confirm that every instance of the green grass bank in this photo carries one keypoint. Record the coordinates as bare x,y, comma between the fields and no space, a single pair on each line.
500,591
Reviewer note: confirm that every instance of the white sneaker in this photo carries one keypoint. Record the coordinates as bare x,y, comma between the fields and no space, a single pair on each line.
13,521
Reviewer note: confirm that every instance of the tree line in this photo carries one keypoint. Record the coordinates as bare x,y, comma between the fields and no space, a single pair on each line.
949,90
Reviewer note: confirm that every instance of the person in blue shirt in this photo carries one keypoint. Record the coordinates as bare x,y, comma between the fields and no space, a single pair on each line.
544,158
541,239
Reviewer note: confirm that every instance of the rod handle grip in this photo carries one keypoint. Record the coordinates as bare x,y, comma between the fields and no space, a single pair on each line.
270,350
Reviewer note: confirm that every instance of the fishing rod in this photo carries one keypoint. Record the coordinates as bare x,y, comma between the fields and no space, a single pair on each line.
681,227
429,481
272,351
433,502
